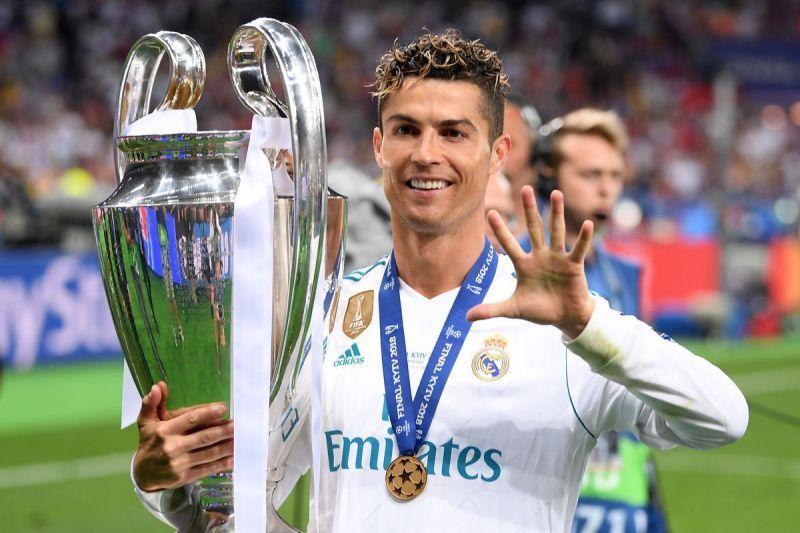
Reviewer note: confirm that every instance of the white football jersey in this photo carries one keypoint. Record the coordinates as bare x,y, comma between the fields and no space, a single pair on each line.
517,419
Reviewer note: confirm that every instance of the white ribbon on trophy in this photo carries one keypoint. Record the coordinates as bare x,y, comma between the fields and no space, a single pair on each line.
317,336
252,340
252,328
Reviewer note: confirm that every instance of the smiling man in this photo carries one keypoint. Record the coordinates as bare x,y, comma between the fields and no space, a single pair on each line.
463,390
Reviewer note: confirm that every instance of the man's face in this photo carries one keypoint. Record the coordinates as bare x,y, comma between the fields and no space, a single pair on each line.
435,155
590,176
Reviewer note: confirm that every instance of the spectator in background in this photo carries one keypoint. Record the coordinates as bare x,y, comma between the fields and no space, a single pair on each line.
583,155
21,223
368,229
60,61
521,123
499,198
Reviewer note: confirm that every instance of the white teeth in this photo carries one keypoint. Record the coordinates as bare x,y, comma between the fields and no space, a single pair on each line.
428,184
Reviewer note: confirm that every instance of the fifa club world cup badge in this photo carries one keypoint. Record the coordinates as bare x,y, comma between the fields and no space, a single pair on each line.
358,315
491,362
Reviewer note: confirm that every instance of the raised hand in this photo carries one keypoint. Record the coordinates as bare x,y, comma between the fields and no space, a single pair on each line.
551,283
182,446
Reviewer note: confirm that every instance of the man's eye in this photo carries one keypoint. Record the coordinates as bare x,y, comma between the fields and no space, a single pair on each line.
404,130
454,134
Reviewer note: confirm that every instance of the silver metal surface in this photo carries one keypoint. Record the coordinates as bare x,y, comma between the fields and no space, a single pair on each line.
164,236
304,107
186,79
164,241
248,70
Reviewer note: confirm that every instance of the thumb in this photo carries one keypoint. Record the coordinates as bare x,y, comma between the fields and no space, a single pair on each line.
150,403
507,309
162,404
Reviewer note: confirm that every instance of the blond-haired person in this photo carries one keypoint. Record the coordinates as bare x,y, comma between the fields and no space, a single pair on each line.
583,154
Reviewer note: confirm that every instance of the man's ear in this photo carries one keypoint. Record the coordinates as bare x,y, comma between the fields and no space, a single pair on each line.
377,146
500,149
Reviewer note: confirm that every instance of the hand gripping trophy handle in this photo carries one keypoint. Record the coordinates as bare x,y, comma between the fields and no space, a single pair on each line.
186,80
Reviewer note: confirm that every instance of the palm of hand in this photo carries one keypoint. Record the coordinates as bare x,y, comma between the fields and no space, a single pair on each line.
551,283
548,287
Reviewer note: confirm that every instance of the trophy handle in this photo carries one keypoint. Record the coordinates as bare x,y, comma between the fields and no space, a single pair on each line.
187,78
247,68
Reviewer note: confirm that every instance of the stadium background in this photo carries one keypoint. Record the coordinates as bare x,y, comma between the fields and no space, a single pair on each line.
710,92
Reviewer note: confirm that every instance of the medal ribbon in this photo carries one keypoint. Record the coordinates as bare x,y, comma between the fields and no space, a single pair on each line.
411,420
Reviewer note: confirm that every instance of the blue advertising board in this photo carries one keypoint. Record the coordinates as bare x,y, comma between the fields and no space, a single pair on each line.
763,65
53,309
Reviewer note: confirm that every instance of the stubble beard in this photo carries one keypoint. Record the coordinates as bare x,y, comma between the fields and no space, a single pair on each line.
439,223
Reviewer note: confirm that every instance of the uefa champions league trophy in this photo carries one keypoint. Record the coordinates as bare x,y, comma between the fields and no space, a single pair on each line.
164,236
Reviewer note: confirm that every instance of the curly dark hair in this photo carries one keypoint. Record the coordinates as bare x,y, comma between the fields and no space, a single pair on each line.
446,56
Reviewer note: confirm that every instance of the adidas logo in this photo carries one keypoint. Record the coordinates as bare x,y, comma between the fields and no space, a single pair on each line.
351,356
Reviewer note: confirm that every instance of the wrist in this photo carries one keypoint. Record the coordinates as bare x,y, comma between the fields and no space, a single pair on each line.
141,482
577,323
143,485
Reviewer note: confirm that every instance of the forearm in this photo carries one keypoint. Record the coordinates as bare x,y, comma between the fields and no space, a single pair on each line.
682,398
178,508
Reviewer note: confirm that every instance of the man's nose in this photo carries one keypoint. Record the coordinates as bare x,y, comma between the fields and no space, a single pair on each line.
606,185
427,150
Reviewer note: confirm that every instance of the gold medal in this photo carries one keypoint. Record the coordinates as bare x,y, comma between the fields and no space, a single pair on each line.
406,478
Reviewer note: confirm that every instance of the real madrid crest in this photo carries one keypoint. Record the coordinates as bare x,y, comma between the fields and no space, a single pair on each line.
491,362
358,315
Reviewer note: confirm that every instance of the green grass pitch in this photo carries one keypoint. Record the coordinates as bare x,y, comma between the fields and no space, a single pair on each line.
64,462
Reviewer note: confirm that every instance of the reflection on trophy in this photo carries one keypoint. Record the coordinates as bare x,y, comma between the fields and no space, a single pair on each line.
165,235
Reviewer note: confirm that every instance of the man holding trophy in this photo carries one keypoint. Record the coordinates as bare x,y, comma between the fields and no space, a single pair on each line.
462,389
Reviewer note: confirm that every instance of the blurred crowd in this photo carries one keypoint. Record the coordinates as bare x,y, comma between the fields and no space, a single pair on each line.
652,61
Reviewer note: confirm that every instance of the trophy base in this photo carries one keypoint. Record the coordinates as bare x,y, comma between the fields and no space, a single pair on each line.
216,499
216,493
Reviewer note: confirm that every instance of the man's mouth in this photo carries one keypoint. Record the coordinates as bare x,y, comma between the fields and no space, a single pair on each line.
427,184
601,216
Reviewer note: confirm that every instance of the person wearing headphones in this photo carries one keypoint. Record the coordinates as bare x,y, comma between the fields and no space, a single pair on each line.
583,155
